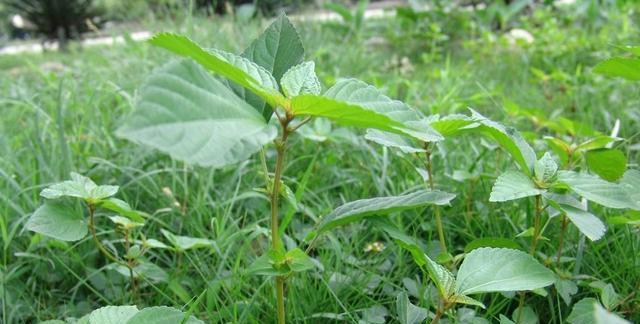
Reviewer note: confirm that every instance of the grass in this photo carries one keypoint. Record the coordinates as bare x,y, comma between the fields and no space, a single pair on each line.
60,112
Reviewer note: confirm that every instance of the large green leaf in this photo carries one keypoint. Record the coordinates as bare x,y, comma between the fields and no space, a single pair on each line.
301,79
58,220
354,103
79,187
121,207
185,112
602,192
276,50
624,67
609,164
495,269
162,315
409,313
359,209
510,140
513,185
112,314
235,68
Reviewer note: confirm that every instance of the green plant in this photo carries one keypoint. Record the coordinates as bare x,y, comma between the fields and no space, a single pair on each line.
622,66
192,116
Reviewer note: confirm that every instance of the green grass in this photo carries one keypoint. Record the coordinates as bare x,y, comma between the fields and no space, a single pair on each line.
59,113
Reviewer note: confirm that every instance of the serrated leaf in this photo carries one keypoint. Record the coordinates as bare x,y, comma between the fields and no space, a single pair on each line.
184,243
590,225
510,140
392,140
277,49
183,111
162,315
462,299
357,210
452,124
409,313
121,207
79,187
624,67
264,266
496,269
545,169
235,68
609,164
496,242
58,220
442,278
605,193
301,79
352,102
513,185
112,314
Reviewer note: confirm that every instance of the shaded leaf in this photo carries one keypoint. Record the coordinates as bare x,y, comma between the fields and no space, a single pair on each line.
162,315
392,140
185,112
184,243
609,164
121,207
112,314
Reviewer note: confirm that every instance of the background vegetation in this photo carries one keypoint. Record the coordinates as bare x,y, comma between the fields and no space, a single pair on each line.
59,112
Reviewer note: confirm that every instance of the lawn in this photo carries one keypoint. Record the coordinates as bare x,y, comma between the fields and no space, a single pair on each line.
60,113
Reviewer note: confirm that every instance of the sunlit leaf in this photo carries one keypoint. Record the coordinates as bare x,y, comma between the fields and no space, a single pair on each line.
58,220
513,185
609,164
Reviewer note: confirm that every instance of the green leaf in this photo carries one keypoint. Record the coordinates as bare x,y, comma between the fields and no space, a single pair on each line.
184,243
409,313
143,269
187,113
605,193
462,299
624,67
235,68
513,185
496,242
264,266
609,164
609,297
452,124
112,314
125,222
58,220
298,261
525,315
596,143
545,169
631,182
566,289
391,140
590,225
495,269
162,315
79,187
121,207
442,278
357,210
510,140
277,49
352,102
589,311
300,79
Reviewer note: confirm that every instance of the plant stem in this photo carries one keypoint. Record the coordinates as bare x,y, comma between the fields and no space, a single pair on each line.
536,224
101,247
561,238
276,243
429,166
520,306
132,279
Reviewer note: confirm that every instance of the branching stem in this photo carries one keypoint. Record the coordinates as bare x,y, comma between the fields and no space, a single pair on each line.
102,248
